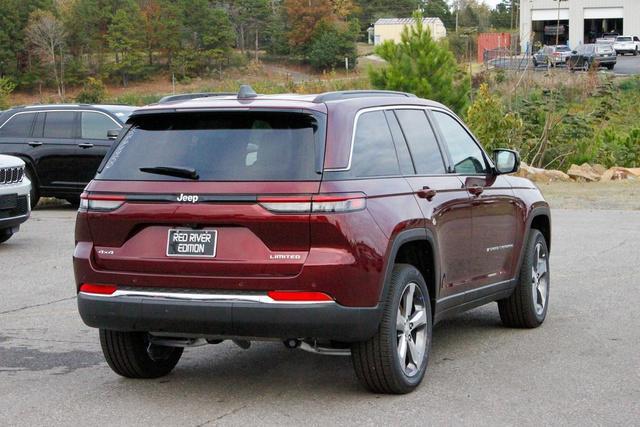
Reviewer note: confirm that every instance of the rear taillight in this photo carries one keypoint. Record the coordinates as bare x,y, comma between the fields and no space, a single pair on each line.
321,203
299,296
91,288
100,202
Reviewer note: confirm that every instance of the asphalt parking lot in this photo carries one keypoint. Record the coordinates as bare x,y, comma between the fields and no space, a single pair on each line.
626,65
581,367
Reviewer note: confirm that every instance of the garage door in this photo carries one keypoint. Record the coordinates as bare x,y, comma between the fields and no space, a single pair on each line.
603,12
549,14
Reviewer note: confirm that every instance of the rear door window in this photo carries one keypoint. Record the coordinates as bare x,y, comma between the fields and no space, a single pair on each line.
96,125
373,151
422,142
59,124
404,157
221,146
19,126
466,156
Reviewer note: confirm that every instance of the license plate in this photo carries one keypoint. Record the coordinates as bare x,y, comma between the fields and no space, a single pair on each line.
192,243
9,201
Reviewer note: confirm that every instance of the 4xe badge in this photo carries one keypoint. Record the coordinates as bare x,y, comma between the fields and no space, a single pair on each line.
187,198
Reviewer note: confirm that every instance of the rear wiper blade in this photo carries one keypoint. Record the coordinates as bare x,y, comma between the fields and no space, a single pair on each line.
177,171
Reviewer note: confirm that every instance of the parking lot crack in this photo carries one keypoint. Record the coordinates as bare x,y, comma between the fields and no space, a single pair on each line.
213,420
26,307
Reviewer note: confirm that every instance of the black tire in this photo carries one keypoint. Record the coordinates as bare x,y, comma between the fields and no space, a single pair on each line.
376,361
635,52
34,195
520,310
586,66
5,234
127,355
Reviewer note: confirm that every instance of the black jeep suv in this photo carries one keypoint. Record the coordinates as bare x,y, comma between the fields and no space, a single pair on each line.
61,145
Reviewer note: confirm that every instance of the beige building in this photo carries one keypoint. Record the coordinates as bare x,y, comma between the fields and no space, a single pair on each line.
391,28
581,21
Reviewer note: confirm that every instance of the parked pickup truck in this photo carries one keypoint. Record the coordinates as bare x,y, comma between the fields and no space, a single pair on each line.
627,44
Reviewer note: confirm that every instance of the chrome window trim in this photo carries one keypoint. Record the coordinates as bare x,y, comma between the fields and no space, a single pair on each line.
404,107
262,299
60,110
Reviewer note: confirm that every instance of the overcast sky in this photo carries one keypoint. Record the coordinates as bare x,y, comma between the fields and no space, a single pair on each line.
492,3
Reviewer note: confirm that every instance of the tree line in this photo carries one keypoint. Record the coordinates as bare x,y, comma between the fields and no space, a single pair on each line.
60,43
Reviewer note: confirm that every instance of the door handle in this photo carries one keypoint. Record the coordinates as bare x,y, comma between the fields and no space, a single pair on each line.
426,193
476,190
85,145
35,143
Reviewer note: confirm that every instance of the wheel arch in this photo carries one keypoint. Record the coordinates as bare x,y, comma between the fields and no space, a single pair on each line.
418,247
540,219
542,222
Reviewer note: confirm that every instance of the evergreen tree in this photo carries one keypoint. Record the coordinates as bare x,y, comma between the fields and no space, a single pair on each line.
126,38
330,46
422,66
371,10
439,9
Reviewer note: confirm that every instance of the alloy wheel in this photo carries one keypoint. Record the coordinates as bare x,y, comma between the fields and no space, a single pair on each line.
411,328
540,279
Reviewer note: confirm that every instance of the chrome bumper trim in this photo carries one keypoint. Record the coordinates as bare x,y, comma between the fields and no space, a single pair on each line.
262,299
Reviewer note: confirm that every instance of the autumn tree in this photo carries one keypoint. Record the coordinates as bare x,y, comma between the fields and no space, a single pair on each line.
161,27
303,17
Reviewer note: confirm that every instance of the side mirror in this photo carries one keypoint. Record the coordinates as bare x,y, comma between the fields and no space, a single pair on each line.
113,134
575,52
506,161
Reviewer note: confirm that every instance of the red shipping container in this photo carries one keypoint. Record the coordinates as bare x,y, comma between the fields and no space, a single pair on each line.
490,41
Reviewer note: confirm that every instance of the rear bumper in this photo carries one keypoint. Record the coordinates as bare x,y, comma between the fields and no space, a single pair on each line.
232,318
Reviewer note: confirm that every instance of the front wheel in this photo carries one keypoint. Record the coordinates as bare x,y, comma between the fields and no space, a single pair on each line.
5,234
395,360
527,306
131,354
34,195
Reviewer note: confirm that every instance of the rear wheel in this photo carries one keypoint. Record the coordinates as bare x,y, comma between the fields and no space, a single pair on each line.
586,66
527,306
395,359
5,234
131,354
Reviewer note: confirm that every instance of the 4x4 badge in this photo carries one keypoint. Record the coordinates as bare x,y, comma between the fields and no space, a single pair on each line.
187,198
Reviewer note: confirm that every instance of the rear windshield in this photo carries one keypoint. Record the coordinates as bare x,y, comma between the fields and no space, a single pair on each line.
563,49
623,39
604,49
220,146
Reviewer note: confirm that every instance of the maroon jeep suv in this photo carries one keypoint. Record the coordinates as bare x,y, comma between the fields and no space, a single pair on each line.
345,223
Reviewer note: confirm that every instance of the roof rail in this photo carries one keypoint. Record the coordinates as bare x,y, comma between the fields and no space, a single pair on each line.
188,96
350,94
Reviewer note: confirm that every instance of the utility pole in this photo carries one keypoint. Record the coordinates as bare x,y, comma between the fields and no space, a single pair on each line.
558,23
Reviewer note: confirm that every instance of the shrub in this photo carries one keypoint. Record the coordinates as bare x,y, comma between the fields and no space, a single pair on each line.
420,65
93,92
330,46
6,87
494,127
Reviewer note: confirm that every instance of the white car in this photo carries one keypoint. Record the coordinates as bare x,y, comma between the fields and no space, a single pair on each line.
627,44
15,204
